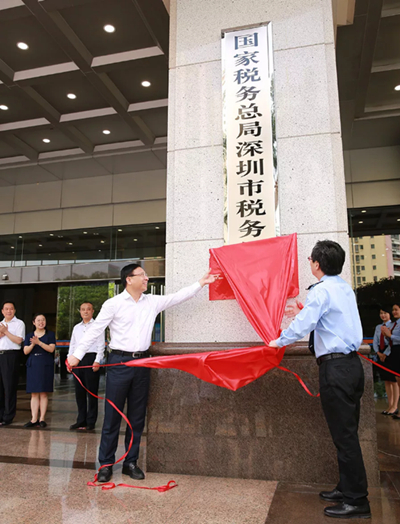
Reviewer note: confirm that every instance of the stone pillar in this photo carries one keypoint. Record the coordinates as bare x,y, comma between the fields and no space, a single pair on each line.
270,429
311,175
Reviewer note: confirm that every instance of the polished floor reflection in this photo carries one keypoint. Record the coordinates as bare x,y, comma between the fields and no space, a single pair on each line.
43,476
300,504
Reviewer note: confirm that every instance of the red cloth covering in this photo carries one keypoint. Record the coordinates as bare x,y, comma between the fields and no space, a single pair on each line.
261,275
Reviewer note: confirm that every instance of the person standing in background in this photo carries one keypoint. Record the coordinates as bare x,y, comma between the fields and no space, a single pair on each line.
12,334
90,377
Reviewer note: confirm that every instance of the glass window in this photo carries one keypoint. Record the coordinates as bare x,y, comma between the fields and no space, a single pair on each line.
373,257
375,279
141,241
361,246
374,268
372,246
362,257
364,279
357,258
356,249
362,268
358,280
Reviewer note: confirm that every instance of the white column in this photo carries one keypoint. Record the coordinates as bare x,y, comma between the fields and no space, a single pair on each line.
310,162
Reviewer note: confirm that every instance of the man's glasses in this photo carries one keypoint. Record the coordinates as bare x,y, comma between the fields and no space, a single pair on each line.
141,275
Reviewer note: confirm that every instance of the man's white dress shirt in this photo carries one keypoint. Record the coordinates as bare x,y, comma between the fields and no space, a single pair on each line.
131,323
78,333
15,327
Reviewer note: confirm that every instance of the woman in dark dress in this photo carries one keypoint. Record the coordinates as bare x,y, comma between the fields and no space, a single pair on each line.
392,332
40,346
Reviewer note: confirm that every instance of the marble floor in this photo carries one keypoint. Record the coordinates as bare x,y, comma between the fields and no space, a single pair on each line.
44,472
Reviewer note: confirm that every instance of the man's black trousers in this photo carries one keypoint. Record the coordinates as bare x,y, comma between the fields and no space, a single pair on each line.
87,404
9,374
124,383
341,386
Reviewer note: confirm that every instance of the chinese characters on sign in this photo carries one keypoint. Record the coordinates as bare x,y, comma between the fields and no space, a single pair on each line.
250,156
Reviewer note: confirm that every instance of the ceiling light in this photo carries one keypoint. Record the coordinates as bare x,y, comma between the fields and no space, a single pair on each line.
40,245
146,83
3,107
120,230
108,28
51,234
398,220
12,247
106,131
85,232
23,46
70,243
71,96
135,239
360,222
157,227
19,237
101,241
99,250
364,211
46,140
397,88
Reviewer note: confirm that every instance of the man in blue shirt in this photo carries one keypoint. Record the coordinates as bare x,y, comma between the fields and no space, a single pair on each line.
331,315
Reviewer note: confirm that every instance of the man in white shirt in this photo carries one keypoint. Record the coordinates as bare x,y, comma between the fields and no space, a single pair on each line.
87,404
12,334
130,316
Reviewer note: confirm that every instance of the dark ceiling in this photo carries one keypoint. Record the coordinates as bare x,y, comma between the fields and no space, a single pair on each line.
368,64
70,52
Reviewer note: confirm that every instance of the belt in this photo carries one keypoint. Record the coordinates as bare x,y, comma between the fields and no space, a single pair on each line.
138,354
8,350
330,356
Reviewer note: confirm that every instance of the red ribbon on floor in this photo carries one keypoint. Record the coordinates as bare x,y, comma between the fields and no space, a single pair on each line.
110,485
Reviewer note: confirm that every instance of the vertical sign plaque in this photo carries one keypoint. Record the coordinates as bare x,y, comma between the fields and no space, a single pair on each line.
250,167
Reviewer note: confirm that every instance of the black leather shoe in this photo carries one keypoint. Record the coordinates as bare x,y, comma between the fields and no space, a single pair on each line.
90,427
78,425
5,423
332,496
42,424
31,424
133,470
104,474
346,511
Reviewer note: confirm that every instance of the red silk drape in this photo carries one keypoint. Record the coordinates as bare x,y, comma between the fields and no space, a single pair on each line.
261,275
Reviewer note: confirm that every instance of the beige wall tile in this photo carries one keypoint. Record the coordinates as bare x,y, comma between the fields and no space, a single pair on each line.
34,197
92,216
7,199
38,221
144,185
86,191
7,224
139,212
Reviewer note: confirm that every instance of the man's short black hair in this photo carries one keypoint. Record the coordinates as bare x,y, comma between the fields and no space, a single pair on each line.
330,256
86,302
126,271
8,302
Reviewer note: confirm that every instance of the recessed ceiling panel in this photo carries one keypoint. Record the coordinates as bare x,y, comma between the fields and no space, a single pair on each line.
42,50
129,80
19,106
156,120
119,130
34,138
88,22
381,90
56,88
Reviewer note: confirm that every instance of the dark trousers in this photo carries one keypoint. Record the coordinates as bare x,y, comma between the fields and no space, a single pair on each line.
9,374
87,404
124,383
341,387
